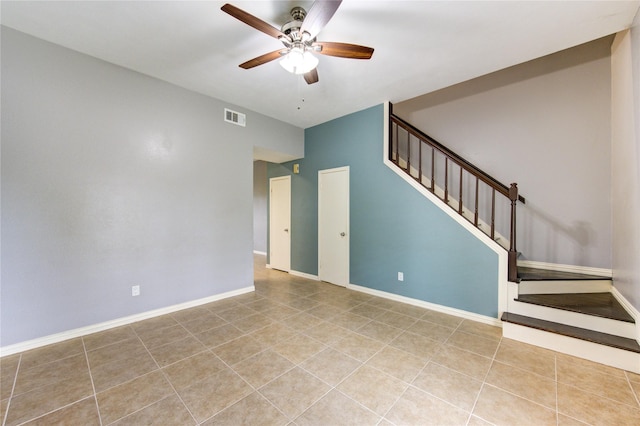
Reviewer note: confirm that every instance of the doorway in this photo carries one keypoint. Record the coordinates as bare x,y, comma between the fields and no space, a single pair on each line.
280,223
333,225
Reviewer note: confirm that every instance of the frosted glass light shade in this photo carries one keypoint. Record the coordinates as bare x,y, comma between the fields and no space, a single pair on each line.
298,61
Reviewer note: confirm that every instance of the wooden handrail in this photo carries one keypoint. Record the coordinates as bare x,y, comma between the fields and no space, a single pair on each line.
452,156
509,192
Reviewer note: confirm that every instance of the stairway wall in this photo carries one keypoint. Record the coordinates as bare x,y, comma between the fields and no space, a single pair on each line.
544,124
625,146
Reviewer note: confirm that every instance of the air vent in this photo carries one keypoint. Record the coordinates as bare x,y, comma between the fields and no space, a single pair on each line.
235,117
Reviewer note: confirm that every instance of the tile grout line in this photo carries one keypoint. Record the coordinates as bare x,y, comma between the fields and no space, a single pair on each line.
332,388
388,344
299,365
141,375
53,411
164,375
230,367
484,382
398,398
304,332
13,388
633,392
555,371
429,361
56,408
93,386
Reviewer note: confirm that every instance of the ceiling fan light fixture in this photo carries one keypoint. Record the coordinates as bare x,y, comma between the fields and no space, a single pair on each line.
299,61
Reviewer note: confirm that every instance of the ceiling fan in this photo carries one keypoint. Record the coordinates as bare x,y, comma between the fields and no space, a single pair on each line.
299,39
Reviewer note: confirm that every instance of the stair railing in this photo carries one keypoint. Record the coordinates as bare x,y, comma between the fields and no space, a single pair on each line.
443,173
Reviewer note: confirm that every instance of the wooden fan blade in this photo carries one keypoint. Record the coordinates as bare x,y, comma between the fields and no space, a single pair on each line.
344,50
312,76
319,15
251,20
263,59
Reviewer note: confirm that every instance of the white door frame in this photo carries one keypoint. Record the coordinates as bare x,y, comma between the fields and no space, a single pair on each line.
346,236
285,265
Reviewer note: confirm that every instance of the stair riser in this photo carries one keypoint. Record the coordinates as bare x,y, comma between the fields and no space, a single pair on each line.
607,355
575,319
558,287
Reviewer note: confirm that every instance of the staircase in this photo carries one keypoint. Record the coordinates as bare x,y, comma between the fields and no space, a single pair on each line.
573,313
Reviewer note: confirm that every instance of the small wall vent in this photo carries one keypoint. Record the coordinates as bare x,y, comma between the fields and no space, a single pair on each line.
235,117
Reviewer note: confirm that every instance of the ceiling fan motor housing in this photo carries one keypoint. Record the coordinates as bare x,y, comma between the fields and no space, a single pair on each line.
298,13
292,28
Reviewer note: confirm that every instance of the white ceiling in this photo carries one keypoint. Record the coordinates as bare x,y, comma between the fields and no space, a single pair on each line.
420,46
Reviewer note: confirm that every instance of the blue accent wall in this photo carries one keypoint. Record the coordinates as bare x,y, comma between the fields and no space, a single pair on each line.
393,227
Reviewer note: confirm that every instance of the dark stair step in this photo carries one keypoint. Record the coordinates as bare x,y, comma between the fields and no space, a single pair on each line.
536,274
597,304
575,332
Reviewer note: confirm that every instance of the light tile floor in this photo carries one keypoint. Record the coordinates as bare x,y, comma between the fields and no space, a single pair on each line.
301,352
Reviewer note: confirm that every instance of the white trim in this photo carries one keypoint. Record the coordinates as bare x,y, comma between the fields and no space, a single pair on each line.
564,286
587,270
625,303
602,354
298,274
83,331
630,309
575,319
261,253
304,275
501,252
427,305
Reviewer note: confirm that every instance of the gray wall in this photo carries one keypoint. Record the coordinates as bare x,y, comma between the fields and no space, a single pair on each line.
260,206
544,124
625,153
112,179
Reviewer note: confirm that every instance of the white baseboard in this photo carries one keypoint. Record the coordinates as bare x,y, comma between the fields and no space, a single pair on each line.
427,305
261,253
304,275
587,270
83,331
630,308
298,273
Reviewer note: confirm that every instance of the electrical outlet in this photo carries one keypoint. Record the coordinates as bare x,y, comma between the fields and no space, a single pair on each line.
135,290
400,276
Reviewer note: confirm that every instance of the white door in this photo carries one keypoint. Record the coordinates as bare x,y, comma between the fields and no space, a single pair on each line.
333,225
280,223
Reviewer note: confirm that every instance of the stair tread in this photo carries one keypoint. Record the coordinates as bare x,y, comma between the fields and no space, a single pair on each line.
575,332
603,305
537,274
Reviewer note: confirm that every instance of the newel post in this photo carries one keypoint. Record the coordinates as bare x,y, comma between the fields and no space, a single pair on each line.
513,252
